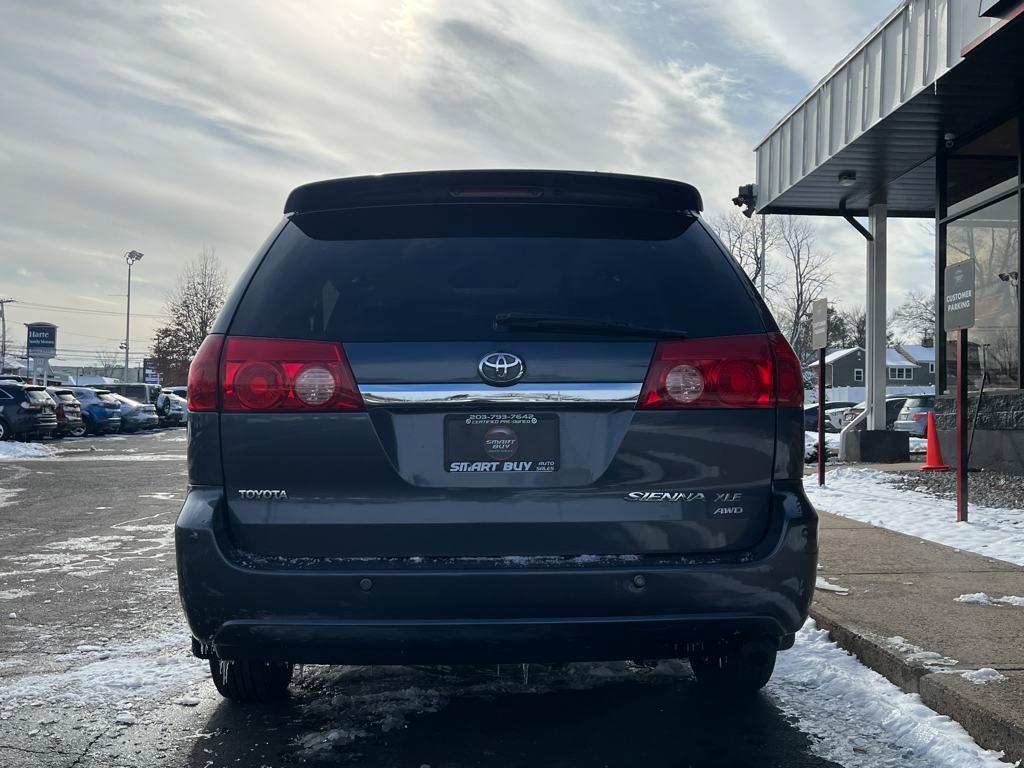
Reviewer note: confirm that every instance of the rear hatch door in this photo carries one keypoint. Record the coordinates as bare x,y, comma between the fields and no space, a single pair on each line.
446,459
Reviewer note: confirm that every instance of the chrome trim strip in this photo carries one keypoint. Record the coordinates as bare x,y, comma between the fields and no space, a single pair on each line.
410,395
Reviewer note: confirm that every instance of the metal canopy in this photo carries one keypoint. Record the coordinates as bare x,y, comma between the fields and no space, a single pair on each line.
932,68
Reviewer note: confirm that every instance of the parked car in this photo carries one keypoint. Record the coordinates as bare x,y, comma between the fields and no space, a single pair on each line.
913,418
101,412
173,410
811,414
141,393
69,412
893,405
834,417
26,411
494,416
136,415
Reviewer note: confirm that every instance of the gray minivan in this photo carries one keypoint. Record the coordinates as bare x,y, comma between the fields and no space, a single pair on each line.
494,416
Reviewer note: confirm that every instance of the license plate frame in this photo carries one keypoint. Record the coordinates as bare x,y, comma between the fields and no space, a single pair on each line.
501,443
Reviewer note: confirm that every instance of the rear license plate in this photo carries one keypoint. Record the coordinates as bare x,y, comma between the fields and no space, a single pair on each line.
501,442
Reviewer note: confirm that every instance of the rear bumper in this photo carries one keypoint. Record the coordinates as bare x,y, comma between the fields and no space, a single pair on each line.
913,427
34,425
361,614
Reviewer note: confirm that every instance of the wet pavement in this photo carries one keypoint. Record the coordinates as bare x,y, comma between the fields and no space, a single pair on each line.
95,669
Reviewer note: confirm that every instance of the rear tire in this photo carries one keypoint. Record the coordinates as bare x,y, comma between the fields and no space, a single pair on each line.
5,431
79,431
251,682
737,667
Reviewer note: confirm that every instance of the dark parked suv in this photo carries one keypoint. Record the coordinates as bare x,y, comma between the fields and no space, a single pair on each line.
26,411
494,416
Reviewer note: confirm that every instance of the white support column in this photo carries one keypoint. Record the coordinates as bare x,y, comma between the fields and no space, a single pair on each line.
875,375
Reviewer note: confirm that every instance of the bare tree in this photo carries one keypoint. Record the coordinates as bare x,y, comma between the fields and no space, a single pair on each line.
109,361
915,316
742,236
193,305
808,274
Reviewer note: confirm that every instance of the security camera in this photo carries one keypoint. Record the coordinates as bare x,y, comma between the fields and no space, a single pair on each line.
950,139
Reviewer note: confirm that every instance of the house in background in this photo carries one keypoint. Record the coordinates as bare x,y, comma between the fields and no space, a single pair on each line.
923,356
909,368
843,367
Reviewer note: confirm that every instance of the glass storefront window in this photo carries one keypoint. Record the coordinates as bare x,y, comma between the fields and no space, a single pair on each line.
976,169
990,237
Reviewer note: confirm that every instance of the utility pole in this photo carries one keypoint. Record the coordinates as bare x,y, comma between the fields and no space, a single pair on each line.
130,258
3,330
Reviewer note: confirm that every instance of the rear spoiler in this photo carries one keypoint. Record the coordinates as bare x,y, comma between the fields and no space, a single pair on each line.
487,186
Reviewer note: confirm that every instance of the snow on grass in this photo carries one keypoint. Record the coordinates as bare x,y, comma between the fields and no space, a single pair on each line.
980,598
12,451
983,675
863,494
859,719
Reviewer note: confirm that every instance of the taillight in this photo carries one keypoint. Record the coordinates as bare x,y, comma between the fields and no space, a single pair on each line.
919,416
789,375
203,374
285,375
29,405
756,371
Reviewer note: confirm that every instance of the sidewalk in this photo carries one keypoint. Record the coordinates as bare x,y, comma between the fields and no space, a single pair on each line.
900,617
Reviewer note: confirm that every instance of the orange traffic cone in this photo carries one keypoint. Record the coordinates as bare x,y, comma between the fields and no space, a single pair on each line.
933,459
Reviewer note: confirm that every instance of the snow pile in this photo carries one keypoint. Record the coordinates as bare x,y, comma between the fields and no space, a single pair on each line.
863,494
982,676
915,653
980,598
110,676
12,451
859,719
828,586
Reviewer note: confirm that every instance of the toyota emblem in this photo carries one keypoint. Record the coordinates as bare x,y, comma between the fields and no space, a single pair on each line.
501,369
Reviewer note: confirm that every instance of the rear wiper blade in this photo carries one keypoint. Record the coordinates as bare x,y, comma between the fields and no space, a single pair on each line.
524,321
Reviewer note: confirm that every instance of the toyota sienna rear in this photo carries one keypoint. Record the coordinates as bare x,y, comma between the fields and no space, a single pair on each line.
494,416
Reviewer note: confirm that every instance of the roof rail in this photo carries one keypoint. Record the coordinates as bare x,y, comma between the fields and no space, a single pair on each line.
490,186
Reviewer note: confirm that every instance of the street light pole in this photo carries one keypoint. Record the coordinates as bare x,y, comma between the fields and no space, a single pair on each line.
3,331
130,258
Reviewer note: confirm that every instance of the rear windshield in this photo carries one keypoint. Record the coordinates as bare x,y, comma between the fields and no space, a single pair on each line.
66,397
108,398
432,273
37,395
920,402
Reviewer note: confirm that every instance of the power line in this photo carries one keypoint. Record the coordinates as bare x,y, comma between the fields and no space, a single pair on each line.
82,311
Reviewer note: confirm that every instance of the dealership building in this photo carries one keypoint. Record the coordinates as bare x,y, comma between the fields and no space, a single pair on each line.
924,119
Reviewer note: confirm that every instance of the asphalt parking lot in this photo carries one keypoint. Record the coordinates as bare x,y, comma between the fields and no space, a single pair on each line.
95,669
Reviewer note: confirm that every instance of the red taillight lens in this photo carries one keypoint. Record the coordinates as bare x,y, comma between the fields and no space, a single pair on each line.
920,416
756,371
203,374
287,375
789,376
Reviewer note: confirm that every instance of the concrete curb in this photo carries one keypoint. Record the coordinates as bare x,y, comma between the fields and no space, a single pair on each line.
973,708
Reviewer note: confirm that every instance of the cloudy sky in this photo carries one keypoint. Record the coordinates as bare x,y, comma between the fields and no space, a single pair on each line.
167,127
